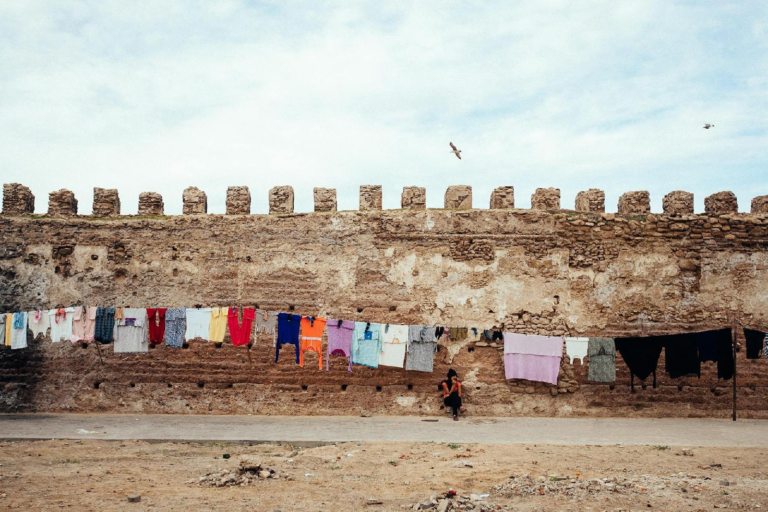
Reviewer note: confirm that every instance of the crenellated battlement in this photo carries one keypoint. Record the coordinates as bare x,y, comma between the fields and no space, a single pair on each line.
19,200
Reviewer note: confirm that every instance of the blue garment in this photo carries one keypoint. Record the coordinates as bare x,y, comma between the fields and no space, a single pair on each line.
366,344
105,325
18,320
288,333
175,326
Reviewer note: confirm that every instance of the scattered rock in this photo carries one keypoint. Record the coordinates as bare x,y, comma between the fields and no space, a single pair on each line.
134,498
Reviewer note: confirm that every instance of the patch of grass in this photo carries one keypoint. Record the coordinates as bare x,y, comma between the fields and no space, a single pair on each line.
70,461
454,446
392,463
660,447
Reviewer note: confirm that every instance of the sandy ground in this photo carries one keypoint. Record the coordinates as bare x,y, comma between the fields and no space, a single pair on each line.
99,475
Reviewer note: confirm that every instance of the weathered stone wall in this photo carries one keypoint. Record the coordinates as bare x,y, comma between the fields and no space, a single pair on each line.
560,273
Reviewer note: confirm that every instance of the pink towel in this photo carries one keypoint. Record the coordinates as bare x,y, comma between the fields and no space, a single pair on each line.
532,367
533,344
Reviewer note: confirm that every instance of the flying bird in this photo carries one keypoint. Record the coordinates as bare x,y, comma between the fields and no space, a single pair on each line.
708,126
455,151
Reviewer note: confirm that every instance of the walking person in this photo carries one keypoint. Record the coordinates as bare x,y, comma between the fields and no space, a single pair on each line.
452,394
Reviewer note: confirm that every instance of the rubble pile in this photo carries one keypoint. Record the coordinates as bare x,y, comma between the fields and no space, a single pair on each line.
249,471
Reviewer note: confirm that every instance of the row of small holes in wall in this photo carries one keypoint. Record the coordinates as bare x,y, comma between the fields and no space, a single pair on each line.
201,384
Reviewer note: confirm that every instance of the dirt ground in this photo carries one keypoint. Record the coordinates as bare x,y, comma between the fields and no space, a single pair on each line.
99,475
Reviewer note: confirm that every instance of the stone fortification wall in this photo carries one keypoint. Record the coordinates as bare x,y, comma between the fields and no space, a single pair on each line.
543,271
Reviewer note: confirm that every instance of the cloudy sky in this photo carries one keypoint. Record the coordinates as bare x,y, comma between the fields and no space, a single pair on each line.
160,95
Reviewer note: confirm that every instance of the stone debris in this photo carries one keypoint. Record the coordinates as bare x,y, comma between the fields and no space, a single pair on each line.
453,501
238,201
62,203
370,197
249,471
546,199
134,498
281,199
17,199
106,202
592,200
151,203
503,198
325,199
458,197
678,202
414,198
635,203
195,201
721,202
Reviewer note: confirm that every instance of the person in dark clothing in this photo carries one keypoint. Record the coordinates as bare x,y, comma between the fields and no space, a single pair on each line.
452,394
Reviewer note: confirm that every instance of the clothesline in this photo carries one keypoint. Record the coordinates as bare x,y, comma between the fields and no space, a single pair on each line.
530,357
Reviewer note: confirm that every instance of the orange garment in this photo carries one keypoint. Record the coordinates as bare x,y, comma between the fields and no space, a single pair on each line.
311,338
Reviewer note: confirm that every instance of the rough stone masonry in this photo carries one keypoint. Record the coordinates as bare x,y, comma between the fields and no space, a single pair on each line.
531,271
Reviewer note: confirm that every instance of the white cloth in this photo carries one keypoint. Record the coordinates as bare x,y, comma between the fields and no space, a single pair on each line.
198,323
577,348
394,340
41,326
132,332
19,336
61,330
533,344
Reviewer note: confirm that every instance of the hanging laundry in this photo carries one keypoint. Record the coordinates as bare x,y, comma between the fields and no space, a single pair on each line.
2,329
19,331
218,328
240,332
105,325
535,358
8,327
681,355
39,322
421,348
602,360
487,335
755,343
288,333
706,343
366,344
83,324
725,362
61,324
175,327
131,332
577,348
394,341
766,345
266,321
311,338
339,340
497,336
156,320
640,354
458,333
198,323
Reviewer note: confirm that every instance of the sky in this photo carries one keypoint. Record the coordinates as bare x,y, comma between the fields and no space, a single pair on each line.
160,95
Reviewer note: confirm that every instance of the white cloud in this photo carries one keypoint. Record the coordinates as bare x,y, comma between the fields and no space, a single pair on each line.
159,96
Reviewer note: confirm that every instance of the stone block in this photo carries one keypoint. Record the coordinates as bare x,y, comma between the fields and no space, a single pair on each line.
721,202
760,204
635,203
592,200
370,197
678,202
238,201
325,199
281,199
106,202
503,198
151,203
546,199
414,198
458,197
17,199
62,203
195,201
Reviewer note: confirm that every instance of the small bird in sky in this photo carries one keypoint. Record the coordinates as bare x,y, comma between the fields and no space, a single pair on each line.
708,126
455,151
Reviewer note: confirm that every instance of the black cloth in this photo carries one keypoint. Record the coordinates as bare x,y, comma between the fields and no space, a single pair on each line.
439,332
498,335
707,344
681,355
755,343
640,354
454,402
725,361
